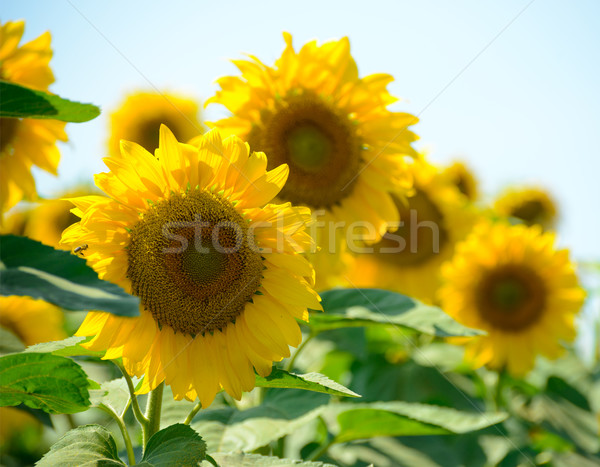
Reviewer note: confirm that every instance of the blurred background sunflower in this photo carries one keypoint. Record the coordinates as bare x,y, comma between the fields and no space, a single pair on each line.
139,116
25,142
513,283
529,205
408,258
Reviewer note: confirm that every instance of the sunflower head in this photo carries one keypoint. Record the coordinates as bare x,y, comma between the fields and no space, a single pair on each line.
531,206
140,115
511,282
25,142
408,257
310,110
464,179
47,220
32,321
217,267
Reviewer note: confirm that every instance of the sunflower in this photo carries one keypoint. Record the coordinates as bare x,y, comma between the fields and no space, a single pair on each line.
209,312
32,321
511,282
407,260
25,142
530,205
139,118
49,218
464,179
16,222
346,151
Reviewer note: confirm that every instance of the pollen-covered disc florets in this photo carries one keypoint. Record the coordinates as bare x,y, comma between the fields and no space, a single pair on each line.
217,268
192,263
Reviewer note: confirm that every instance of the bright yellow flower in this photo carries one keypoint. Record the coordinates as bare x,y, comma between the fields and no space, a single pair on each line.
464,179
511,282
532,206
32,321
25,142
16,222
407,260
206,317
139,118
311,110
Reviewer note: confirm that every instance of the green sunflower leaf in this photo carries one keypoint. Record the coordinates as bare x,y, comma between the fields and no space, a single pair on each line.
309,382
43,381
85,445
32,269
9,342
69,347
365,307
233,459
176,445
362,421
283,412
22,102
112,394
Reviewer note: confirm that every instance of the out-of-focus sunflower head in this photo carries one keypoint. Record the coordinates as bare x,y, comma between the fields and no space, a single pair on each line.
48,219
510,281
15,222
463,177
140,115
346,151
529,205
25,142
408,258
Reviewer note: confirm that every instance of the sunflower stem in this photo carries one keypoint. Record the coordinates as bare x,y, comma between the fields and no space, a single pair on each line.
153,410
500,385
211,460
124,432
290,365
192,414
134,401
322,450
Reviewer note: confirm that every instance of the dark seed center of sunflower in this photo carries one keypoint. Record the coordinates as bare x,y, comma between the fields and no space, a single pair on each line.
203,266
8,131
308,147
511,297
465,186
421,235
191,262
531,212
149,131
320,144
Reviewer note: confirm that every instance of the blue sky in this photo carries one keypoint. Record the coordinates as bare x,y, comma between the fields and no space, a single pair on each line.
510,87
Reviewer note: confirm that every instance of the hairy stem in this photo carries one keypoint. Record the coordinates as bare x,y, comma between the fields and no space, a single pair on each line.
124,432
290,365
153,410
322,450
134,402
192,414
